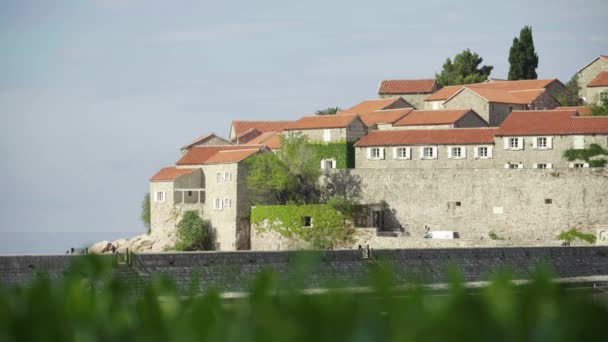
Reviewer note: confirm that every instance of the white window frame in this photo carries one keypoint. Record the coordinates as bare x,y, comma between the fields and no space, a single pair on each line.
219,177
371,155
397,153
218,204
462,152
513,143
537,143
425,156
327,135
324,163
160,197
227,203
542,166
514,166
489,152
227,176
578,165
578,142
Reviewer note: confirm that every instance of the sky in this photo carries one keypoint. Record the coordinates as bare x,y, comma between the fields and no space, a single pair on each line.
97,95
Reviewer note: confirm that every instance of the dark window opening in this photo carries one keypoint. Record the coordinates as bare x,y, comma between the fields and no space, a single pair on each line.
458,204
307,221
189,193
548,201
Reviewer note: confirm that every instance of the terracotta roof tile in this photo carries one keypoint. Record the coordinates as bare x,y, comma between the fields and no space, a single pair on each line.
432,117
406,86
443,93
203,138
552,122
271,140
200,155
502,96
372,105
322,121
241,126
247,136
601,80
234,156
582,110
169,174
451,136
384,116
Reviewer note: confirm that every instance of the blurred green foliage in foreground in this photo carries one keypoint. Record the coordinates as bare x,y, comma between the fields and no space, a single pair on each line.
89,305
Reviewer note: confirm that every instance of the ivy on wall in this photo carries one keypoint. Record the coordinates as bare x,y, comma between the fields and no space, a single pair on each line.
342,151
329,227
587,154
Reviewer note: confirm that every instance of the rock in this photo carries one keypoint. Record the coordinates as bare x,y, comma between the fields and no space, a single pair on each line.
98,247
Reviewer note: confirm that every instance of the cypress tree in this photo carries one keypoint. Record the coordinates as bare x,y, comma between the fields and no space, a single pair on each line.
523,59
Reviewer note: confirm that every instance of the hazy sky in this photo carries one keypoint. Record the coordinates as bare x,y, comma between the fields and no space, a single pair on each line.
95,96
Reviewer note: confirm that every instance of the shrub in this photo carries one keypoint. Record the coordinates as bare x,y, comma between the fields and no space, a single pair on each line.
145,213
573,234
494,236
193,233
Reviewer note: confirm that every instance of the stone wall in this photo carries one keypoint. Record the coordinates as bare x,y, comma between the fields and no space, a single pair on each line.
415,162
587,74
527,205
416,100
470,120
500,111
594,94
232,271
468,99
544,101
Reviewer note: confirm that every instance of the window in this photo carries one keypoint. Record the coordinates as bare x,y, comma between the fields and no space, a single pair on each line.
227,176
513,143
541,166
457,152
307,221
427,152
328,164
189,193
578,165
578,142
541,142
326,135
482,152
217,204
375,153
514,166
227,202
401,153
159,197
548,201
219,177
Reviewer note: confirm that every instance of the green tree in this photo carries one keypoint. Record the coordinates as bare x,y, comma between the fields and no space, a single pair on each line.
569,96
292,175
145,213
464,70
193,233
601,109
328,111
523,59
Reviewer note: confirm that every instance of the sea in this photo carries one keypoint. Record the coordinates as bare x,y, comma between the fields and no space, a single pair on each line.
54,242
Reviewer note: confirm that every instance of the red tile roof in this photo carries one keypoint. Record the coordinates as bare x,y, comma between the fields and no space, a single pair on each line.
169,174
241,126
234,156
582,110
443,93
494,87
247,136
552,122
384,116
406,86
200,155
271,140
451,136
373,105
501,96
322,121
203,138
432,117
601,80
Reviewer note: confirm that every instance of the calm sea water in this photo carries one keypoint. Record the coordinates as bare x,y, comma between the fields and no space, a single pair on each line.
53,243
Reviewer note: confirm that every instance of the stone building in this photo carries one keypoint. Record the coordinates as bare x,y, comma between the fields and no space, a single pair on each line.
329,128
210,180
589,92
412,91
372,105
430,119
597,89
205,140
494,100
526,139
241,131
